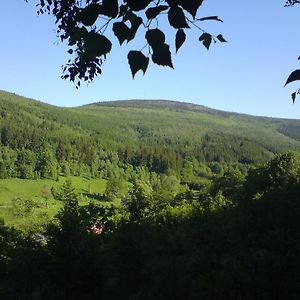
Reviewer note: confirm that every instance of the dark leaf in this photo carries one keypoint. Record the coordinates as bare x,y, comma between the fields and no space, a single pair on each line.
136,22
137,61
96,45
180,39
162,55
78,34
153,12
137,5
155,37
191,6
126,13
110,8
293,77
123,10
177,18
89,14
293,97
121,31
211,18
206,39
221,38
172,2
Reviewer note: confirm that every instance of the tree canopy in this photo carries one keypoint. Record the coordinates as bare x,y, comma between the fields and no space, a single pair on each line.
86,27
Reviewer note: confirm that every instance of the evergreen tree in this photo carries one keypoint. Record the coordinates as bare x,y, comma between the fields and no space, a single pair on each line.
3,171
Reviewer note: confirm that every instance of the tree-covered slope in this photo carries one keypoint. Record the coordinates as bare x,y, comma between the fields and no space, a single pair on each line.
190,119
161,135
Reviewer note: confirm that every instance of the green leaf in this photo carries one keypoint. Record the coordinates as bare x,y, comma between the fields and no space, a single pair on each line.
153,12
221,38
191,6
177,18
89,14
137,5
136,22
137,61
162,55
110,8
293,77
206,39
155,37
121,31
180,39
96,45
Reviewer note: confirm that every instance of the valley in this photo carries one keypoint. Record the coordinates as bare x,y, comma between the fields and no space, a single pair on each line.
122,141
147,199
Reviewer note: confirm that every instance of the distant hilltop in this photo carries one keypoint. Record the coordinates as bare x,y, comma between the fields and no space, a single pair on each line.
161,104
173,123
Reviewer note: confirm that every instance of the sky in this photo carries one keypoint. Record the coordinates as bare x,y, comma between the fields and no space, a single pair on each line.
245,75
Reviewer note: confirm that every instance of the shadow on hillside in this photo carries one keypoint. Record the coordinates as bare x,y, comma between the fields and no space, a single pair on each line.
98,197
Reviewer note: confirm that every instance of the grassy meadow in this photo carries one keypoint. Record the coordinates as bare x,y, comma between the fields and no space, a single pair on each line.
39,193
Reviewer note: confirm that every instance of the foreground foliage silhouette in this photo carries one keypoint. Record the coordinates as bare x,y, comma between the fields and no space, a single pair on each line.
242,246
86,25
295,75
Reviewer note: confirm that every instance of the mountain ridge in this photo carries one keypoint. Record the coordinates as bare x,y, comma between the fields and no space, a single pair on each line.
174,104
156,121
152,103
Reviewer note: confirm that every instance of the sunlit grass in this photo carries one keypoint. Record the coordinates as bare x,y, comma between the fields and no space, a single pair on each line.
44,209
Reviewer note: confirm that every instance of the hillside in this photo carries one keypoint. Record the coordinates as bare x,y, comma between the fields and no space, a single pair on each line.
280,133
159,134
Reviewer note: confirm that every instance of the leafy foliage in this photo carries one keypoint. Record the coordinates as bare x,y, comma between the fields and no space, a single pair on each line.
295,75
84,26
206,247
292,2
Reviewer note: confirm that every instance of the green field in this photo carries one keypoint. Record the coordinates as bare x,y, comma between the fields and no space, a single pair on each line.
11,189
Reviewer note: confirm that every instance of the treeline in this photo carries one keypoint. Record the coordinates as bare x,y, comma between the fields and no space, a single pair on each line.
237,239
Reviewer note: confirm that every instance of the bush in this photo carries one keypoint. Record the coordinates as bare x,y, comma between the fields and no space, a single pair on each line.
22,207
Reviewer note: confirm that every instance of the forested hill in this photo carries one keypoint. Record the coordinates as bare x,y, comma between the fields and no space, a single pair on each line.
160,104
160,135
191,123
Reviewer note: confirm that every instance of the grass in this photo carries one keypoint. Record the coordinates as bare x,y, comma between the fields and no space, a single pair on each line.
11,189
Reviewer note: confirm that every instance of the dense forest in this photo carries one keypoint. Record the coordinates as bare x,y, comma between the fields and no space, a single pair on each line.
165,137
198,203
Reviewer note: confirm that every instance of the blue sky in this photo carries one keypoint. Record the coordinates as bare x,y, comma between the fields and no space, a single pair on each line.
245,75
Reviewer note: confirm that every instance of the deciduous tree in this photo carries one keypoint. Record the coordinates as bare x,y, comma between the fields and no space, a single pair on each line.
295,75
85,26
